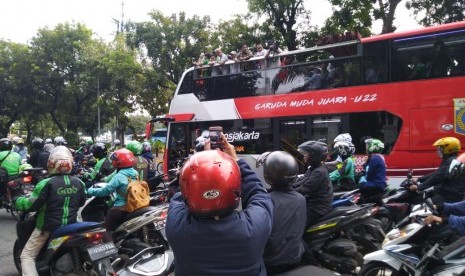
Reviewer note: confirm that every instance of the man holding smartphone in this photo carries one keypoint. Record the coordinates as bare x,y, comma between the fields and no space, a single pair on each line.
208,234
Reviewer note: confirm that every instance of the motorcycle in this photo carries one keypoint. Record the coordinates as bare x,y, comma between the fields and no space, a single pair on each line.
308,270
74,249
22,185
406,244
140,239
335,244
367,234
348,198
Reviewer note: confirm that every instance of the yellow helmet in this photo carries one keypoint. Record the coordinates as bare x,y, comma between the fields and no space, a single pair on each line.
448,145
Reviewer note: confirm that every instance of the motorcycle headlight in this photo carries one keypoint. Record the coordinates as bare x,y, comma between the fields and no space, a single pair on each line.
394,235
398,233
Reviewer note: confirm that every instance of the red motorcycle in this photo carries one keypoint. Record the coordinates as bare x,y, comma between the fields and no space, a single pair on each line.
22,185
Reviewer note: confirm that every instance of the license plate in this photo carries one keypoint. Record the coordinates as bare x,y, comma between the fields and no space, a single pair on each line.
28,187
101,251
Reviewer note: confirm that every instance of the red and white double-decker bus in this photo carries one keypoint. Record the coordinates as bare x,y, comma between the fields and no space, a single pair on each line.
406,89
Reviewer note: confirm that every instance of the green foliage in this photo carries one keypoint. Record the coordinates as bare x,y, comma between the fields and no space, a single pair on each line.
172,41
431,12
72,139
282,15
350,15
57,84
157,145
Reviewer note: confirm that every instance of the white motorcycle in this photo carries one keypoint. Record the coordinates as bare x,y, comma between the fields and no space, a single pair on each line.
141,240
413,248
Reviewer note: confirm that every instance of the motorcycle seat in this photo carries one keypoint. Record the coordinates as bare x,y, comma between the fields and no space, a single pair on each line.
339,211
139,212
75,228
308,270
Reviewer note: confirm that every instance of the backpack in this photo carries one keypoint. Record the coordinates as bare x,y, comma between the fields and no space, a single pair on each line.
138,195
3,172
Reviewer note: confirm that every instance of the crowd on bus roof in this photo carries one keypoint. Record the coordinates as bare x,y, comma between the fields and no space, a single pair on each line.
217,57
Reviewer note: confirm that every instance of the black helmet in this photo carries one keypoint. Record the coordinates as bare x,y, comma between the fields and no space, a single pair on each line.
316,150
5,144
38,143
342,149
279,168
99,150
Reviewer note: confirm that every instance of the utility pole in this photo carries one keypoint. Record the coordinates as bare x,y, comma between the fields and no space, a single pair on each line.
122,17
98,107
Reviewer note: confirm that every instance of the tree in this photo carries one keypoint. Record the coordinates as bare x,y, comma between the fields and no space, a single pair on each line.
62,67
16,85
126,81
431,12
172,41
349,16
358,15
386,12
240,30
283,15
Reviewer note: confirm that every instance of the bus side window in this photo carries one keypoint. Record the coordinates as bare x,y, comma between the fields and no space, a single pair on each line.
186,85
374,63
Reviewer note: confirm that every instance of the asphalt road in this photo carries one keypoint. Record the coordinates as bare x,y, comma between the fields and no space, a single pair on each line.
7,239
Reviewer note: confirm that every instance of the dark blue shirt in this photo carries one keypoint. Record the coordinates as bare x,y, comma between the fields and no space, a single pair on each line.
232,245
457,216
375,172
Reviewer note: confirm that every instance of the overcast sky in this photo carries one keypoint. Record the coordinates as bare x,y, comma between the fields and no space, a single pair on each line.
20,19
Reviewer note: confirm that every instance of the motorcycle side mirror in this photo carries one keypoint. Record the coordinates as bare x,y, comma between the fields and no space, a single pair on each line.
429,203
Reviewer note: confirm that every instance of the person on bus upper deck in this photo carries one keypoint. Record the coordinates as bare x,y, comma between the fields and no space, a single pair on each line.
315,185
445,189
285,247
204,216
245,53
260,51
315,81
441,62
221,58
419,69
373,181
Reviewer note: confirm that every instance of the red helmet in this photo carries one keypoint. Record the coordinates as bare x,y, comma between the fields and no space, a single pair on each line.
122,158
210,183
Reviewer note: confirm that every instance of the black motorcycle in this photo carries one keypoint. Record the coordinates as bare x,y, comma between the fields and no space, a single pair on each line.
333,241
74,249
21,185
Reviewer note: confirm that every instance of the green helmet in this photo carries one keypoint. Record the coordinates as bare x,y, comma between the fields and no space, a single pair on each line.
24,167
374,145
135,146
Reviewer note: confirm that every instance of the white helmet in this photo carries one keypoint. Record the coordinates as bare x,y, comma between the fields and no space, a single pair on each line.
60,161
15,140
343,137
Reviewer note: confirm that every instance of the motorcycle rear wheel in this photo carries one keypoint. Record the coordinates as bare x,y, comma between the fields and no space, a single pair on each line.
377,269
17,256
